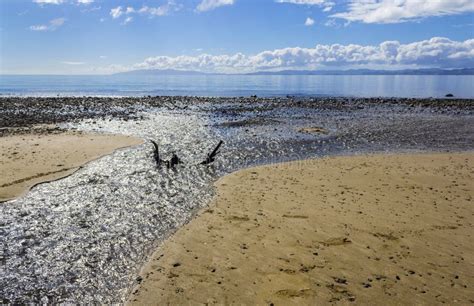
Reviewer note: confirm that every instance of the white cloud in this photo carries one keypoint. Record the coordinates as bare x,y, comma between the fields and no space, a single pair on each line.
48,1
72,63
331,23
127,20
207,5
116,12
395,11
103,56
309,22
40,27
304,2
41,2
53,25
162,10
155,11
435,52
327,4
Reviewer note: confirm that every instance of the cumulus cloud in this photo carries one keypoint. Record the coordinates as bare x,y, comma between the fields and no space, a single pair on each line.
435,52
396,11
53,25
48,1
62,1
79,2
116,12
207,5
83,3
155,11
162,10
327,4
309,22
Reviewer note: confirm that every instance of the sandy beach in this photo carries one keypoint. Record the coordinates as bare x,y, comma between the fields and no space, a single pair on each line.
30,159
377,229
288,233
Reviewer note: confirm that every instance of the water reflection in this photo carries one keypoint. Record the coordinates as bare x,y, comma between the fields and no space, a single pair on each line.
242,85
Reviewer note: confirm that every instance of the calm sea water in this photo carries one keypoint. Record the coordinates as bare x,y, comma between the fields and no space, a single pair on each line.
239,85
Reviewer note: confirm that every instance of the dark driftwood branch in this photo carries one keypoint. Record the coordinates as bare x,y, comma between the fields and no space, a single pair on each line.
175,160
211,157
156,153
169,163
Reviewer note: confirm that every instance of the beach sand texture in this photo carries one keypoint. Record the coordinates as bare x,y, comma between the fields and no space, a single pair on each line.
29,159
381,229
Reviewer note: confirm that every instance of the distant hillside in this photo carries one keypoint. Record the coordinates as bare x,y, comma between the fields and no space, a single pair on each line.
432,71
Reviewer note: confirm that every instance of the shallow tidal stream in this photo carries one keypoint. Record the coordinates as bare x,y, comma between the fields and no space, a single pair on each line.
84,238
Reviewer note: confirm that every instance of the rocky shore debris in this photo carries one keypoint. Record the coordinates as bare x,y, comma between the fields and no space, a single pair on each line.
313,130
28,111
259,121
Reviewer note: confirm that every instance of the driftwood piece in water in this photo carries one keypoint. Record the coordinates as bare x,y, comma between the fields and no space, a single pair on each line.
173,161
156,153
169,163
211,157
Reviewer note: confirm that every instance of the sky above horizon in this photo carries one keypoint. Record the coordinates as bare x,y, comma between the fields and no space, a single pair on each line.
102,36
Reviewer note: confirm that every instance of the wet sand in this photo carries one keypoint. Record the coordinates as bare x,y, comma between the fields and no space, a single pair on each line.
29,159
112,213
381,229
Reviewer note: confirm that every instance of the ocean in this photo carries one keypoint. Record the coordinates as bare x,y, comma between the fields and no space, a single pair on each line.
408,86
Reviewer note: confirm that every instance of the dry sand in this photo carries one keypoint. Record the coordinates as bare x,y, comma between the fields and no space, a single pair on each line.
383,229
27,160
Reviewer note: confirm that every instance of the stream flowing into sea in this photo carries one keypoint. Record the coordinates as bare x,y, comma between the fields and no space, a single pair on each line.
84,238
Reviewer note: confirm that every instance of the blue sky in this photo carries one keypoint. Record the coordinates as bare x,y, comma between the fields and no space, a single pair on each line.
102,36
